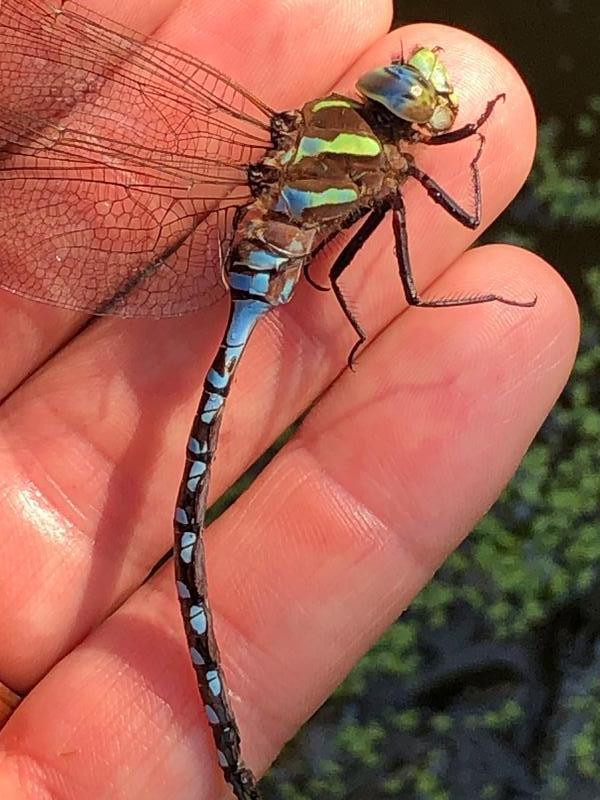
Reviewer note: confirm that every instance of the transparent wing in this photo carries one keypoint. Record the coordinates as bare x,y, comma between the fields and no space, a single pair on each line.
121,161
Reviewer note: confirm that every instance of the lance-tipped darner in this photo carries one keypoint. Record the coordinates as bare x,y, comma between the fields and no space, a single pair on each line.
137,180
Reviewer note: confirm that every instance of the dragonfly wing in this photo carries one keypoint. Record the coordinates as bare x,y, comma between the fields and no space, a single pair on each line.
116,149
58,58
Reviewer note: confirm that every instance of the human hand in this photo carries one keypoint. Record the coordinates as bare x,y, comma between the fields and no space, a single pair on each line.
390,470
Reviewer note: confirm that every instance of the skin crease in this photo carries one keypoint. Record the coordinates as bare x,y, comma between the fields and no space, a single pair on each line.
390,470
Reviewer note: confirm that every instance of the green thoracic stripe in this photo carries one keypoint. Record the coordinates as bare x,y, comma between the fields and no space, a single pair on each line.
296,200
333,102
347,144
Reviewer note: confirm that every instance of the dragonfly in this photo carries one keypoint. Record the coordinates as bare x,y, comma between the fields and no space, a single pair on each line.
139,181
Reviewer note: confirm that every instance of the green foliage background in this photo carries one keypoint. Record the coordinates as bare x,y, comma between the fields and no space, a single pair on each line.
489,686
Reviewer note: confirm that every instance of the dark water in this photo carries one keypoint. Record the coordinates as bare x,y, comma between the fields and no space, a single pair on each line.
554,44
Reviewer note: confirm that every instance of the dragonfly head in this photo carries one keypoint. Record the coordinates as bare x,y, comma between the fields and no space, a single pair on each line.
417,90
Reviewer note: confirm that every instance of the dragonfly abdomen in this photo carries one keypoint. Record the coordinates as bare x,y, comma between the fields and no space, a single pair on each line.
264,266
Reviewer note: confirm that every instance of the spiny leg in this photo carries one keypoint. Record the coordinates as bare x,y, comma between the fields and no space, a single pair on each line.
467,130
344,259
401,239
442,198
347,223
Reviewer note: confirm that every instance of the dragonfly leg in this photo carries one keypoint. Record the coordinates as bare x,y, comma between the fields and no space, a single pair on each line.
467,130
442,198
411,293
309,277
347,223
344,259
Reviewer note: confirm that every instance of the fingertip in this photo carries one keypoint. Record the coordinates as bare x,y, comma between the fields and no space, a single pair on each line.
547,330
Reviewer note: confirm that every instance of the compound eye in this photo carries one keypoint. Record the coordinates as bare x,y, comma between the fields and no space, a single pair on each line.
402,89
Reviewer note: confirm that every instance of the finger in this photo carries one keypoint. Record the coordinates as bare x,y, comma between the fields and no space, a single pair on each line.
230,36
93,447
336,536
8,702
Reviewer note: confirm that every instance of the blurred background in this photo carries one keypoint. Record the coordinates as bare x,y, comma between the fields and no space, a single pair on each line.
489,686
